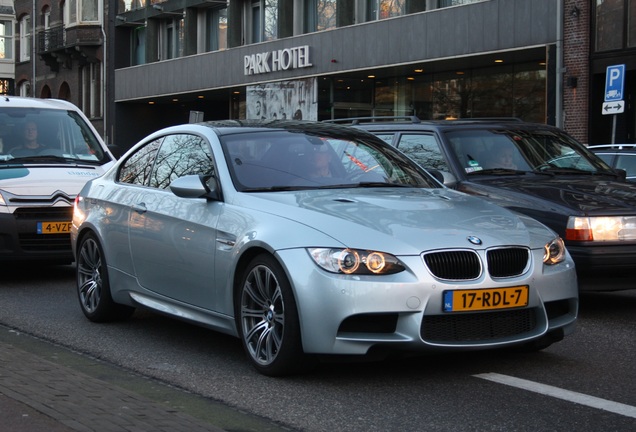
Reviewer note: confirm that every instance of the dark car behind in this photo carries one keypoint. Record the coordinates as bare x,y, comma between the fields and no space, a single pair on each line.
554,179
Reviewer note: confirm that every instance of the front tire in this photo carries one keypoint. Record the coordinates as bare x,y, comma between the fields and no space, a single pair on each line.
93,287
267,319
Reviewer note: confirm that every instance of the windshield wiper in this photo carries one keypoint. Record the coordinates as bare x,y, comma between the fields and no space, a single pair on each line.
42,158
498,171
334,186
376,184
563,170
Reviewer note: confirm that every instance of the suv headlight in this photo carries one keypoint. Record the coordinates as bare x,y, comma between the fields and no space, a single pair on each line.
355,261
601,228
554,251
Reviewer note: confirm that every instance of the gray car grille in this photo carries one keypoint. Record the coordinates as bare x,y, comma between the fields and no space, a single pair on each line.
466,264
478,327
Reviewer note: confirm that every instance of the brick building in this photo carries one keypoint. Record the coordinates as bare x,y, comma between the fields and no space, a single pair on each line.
60,52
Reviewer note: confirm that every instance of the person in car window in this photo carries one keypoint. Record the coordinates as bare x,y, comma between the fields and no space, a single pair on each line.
321,159
503,158
30,139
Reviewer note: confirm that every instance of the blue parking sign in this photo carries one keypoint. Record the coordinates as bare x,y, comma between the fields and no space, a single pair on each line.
614,82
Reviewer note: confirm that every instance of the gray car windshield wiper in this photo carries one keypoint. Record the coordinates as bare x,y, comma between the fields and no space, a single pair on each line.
333,186
377,184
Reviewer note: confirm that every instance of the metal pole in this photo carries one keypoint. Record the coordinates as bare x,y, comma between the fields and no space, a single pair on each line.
558,85
33,79
614,129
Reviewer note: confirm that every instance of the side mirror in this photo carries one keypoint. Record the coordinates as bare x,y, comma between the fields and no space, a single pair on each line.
622,174
194,186
444,177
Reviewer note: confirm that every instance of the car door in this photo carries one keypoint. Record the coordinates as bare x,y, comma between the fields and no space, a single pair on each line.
172,239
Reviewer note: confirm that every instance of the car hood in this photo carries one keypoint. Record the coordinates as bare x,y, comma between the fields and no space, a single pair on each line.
46,180
569,195
404,221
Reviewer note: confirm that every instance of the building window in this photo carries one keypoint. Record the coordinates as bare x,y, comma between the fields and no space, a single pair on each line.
216,27
6,87
24,89
321,15
171,39
271,20
382,9
6,40
25,38
82,12
139,45
46,22
264,21
91,90
609,24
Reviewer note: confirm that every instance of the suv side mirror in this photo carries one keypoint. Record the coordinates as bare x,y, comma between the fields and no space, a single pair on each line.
622,174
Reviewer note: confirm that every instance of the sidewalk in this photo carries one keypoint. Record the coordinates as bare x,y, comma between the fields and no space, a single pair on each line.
46,388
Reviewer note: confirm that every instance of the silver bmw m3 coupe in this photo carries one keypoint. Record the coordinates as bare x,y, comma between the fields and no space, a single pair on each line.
306,239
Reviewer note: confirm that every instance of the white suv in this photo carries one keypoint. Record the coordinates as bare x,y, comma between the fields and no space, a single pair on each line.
48,151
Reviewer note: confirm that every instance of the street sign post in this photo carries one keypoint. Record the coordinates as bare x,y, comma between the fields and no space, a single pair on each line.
614,84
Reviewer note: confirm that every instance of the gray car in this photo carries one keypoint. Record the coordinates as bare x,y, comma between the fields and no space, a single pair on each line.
303,238
621,156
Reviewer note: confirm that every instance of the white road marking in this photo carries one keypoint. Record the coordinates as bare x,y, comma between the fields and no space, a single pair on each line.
559,393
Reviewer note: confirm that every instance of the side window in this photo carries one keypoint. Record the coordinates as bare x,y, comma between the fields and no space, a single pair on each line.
628,163
607,157
136,170
423,149
181,155
386,137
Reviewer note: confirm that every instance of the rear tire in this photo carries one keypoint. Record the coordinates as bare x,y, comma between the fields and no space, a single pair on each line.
93,287
267,319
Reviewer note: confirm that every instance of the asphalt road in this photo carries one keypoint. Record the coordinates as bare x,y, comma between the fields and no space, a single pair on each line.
584,383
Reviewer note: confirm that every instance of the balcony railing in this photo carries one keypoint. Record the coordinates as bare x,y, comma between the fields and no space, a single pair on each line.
51,39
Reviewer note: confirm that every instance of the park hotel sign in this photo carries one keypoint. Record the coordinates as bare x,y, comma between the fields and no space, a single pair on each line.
278,60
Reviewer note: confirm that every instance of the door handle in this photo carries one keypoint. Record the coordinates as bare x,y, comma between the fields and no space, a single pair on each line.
140,208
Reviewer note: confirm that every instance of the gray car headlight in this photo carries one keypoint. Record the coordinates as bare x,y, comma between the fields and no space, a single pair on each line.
554,251
355,261
601,228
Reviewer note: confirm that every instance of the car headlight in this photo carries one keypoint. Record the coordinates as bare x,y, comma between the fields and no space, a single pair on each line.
354,261
601,228
554,251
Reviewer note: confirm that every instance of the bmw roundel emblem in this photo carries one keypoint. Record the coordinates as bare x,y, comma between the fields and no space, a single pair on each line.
474,240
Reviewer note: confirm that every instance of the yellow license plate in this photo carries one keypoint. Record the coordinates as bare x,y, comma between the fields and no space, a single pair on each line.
485,299
54,227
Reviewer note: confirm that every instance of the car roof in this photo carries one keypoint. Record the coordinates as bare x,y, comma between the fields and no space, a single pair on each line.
612,147
226,127
412,123
26,102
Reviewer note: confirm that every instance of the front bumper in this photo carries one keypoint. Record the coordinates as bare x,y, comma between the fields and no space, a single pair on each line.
608,267
350,315
20,240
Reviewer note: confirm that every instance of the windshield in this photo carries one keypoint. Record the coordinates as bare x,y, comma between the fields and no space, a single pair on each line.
485,151
37,135
284,160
